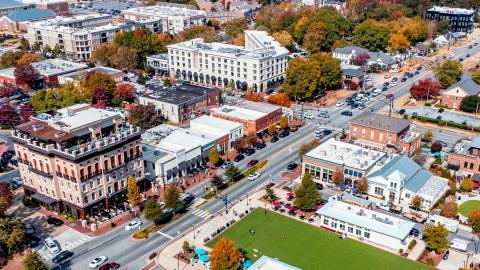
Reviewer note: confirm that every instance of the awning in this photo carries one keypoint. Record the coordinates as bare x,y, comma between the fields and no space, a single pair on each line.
43,198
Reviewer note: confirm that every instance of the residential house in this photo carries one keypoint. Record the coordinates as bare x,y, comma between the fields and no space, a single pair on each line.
452,97
347,54
465,157
352,76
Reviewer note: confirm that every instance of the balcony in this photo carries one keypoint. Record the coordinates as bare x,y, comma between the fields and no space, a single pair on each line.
135,157
44,174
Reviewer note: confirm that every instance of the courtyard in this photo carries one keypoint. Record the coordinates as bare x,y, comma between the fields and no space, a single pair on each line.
468,206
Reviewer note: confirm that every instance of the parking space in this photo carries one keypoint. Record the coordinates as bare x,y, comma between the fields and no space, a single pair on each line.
104,6
436,113
68,239
455,259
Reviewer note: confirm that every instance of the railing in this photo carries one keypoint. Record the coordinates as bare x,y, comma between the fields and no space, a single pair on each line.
44,174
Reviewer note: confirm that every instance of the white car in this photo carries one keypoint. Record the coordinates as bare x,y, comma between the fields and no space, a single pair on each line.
133,225
253,176
97,261
393,84
51,245
340,104
383,205
308,116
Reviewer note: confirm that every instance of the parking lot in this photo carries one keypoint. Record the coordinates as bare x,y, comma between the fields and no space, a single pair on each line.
106,5
434,113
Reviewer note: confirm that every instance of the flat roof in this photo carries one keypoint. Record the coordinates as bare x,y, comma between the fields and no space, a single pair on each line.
267,263
70,119
179,94
49,67
451,10
369,219
76,75
238,112
433,187
213,125
380,121
165,11
346,154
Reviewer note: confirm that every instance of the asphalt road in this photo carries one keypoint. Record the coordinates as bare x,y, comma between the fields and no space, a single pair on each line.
118,245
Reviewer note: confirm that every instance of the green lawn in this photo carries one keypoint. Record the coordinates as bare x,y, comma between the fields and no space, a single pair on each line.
308,247
468,206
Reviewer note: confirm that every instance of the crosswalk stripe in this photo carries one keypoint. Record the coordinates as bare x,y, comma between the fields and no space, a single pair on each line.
166,235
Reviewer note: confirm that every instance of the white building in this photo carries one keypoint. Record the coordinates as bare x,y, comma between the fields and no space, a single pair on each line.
267,263
225,132
261,64
78,36
364,224
173,19
400,179
159,63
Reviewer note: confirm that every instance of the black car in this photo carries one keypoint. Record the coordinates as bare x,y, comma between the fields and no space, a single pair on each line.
62,256
347,113
460,59
354,106
410,75
249,151
238,157
403,79
327,132
468,55
292,166
414,232
274,139
386,84
445,256
285,133
441,110
439,117
401,111
32,241
384,89
259,146
394,79
417,72
319,186
419,68
54,221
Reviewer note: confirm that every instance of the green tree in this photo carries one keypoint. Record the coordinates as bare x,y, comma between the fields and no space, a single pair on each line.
307,195
24,45
470,104
436,237
371,36
152,210
467,184
449,72
133,192
235,27
144,116
33,261
270,194
233,173
141,79
186,247
172,198
9,59
416,203
443,26
428,136
214,156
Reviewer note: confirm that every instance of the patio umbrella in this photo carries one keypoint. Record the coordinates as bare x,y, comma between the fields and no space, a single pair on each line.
203,258
291,208
276,204
247,263
289,194
200,251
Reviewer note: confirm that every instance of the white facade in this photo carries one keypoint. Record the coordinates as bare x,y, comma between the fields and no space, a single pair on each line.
219,128
159,63
173,19
261,64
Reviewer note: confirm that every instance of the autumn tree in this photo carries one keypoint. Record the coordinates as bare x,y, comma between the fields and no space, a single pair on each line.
217,181
425,88
436,237
284,38
214,156
307,147
95,80
199,31
361,59
102,54
371,35
283,122
239,40
272,130
33,261
475,75
144,116
398,43
448,209
416,202
25,74
255,97
235,27
29,58
152,210
362,185
428,136
314,37
172,198
225,256
470,104
125,91
467,184
124,58
307,196
101,97
133,192
280,99
240,144
8,115
7,90
338,177
449,72
475,220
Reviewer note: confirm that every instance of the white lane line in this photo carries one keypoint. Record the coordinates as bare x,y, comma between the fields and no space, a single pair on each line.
166,235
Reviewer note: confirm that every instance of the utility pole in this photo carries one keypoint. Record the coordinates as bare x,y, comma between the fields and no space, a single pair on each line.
224,198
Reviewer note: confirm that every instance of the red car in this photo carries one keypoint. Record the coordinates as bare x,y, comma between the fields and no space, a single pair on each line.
252,163
110,266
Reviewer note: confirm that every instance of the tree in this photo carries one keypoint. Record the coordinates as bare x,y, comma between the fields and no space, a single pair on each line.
442,26
284,38
470,104
8,115
476,76
141,79
102,54
97,79
33,261
425,88
235,27
29,58
24,45
449,72
7,90
270,194
428,136
307,196
214,156
475,220
240,144
436,237
239,40
124,58
9,59
133,192
225,256
144,116
4,205
398,43
172,198
362,185
217,181
338,177
26,110
233,173
361,59
25,74
467,184
280,99
186,247
283,122
314,37
255,97
5,192
101,97
307,147
448,209
416,202
152,210
370,35
251,139
272,130
125,91
200,31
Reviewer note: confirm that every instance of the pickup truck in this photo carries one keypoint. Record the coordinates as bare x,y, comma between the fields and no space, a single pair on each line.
414,217
395,209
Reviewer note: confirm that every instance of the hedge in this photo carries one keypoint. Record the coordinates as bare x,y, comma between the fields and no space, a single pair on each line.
444,123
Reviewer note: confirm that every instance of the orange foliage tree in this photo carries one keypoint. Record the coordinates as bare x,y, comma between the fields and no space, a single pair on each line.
280,99
225,256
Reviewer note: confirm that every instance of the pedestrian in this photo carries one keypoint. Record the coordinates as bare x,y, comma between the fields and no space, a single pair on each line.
284,236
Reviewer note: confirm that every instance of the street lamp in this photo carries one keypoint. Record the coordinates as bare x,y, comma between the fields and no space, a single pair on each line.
193,230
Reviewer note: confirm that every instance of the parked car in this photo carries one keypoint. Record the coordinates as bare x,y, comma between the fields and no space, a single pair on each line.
347,113
32,241
340,104
238,157
445,256
274,139
441,110
110,266
414,232
401,111
394,84
54,221
327,132
51,245
284,134
387,76
383,205
319,186
394,79
253,176
249,151
292,166
97,262
226,164
133,225
29,228
259,146
62,256
252,163
386,84
404,79
385,89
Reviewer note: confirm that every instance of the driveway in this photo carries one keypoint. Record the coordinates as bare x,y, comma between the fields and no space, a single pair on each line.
454,260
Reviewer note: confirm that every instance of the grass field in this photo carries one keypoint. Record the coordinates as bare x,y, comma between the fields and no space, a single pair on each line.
468,206
308,247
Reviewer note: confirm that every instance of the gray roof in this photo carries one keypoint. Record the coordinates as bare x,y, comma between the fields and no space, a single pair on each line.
350,49
352,72
381,57
382,122
468,85
403,164
11,4
475,142
418,180
23,15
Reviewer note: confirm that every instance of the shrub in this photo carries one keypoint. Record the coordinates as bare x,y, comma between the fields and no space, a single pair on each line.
430,262
412,244
400,251
436,147
140,235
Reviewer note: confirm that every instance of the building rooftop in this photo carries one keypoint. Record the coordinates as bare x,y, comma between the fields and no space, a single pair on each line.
162,56
213,125
23,15
468,85
11,4
346,154
450,10
433,187
238,112
462,146
379,121
180,94
78,75
352,70
49,67
375,221
267,263
160,11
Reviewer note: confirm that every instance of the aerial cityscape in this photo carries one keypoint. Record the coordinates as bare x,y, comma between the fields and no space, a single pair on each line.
239,134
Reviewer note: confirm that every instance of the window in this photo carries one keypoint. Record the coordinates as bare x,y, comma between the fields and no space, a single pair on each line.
342,227
334,224
350,229
358,232
366,234
325,221
93,196
378,191
84,187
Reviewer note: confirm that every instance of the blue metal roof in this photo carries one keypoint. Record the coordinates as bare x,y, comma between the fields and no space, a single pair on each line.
418,180
11,4
403,164
476,142
30,14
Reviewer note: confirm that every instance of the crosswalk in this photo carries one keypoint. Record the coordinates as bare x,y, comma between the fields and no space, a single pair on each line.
78,242
202,213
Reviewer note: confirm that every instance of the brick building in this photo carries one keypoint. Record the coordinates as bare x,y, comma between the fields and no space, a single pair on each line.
465,156
17,21
254,116
453,96
384,133
78,159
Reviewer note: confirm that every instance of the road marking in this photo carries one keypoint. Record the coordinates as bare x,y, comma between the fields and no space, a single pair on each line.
166,235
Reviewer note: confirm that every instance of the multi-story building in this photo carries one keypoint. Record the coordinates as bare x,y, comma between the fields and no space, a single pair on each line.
173,19
9,6
181,102
225,132
254,116
17,20
60,7
460,19
261,64
452,96
159,63
78,36
77,159
465,156
384,133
